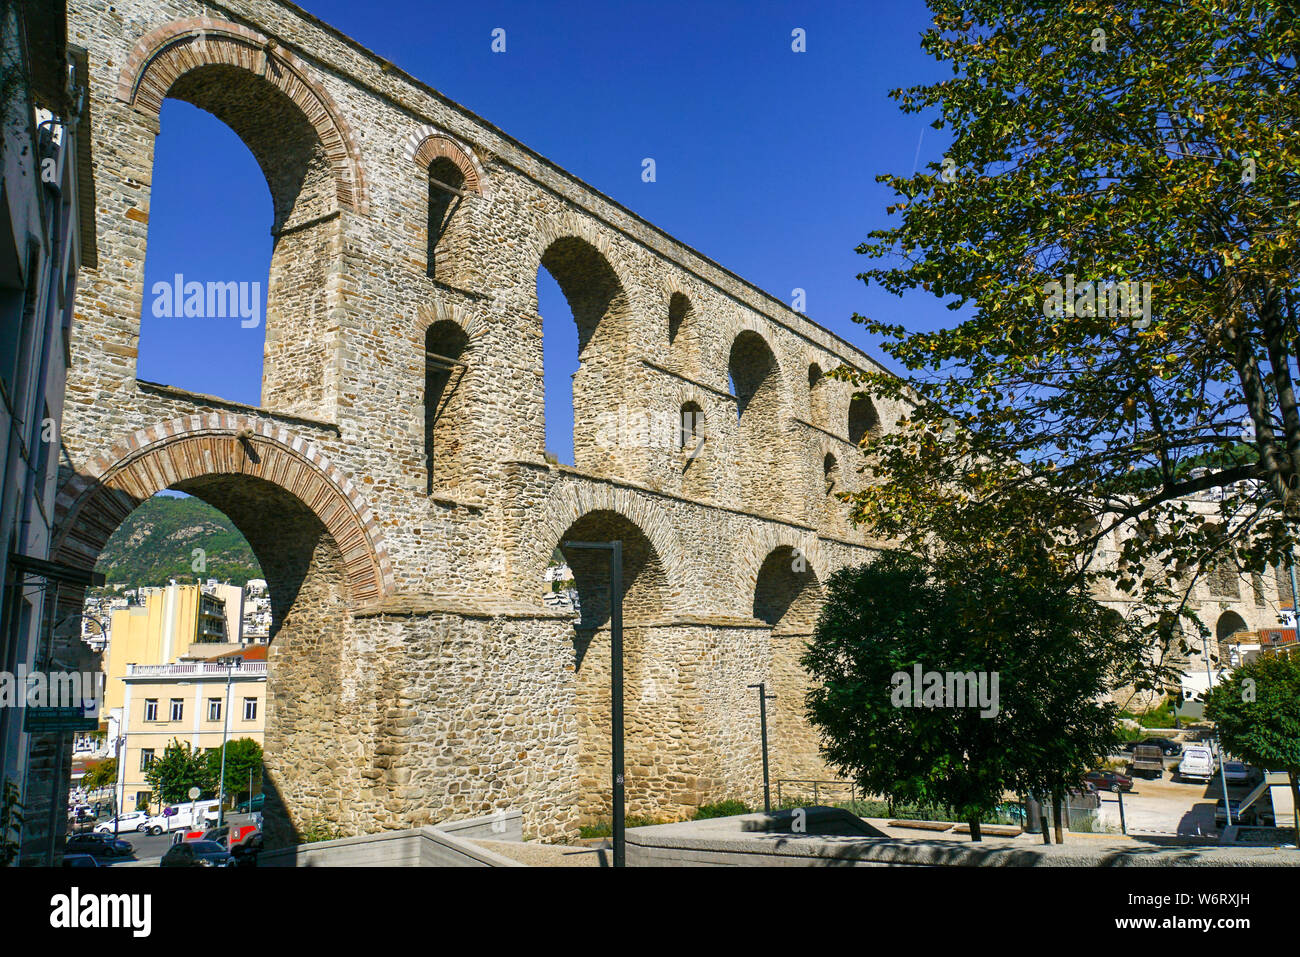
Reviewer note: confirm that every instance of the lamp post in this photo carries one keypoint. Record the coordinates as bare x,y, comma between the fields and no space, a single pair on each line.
763,699
615,550
225,730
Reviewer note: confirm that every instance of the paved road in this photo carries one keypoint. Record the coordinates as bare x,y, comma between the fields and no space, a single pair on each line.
148,847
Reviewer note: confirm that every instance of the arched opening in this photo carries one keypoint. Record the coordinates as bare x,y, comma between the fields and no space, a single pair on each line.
1230,623
319,563
598,304
679,308
445,403
816,394
658,714
446,191
218,289
864,422
184,596
768,474
691,438
787,597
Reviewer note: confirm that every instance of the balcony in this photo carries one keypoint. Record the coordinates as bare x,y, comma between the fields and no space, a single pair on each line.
197,669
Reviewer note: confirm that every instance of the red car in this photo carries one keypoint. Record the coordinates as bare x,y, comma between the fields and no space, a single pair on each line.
1109,781
231,835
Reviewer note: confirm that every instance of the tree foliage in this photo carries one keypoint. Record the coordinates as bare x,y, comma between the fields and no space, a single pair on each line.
1257,712
100,774
1021,616
1100,142
178,769
243,758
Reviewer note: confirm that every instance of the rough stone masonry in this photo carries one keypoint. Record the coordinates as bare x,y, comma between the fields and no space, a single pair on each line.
393,483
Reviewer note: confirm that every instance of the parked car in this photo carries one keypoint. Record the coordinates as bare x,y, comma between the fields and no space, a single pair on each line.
130,821
193,814
197,854
1147,758
245,853
97,845
1109,781
1197,765
229,835
1236,773
1167,747
1253,816
256,804
80,860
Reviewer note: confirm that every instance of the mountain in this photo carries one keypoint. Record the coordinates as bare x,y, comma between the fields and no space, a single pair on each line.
157,542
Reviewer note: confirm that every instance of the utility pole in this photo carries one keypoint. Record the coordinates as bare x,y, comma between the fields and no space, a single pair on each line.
763,699
615,550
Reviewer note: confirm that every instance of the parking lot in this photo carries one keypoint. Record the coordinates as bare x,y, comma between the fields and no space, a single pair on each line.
1164,806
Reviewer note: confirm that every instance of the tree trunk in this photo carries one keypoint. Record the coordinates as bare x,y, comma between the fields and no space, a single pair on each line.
975,830
1056,817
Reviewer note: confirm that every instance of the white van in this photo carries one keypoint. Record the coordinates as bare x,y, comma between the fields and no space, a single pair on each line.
1197,763
181,816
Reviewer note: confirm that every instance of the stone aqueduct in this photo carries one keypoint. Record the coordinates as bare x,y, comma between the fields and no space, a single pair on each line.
401,506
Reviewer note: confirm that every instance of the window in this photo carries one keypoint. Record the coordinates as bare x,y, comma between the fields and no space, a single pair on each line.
147,757
250,709
143,800
178,709
446,192
214,709
151,709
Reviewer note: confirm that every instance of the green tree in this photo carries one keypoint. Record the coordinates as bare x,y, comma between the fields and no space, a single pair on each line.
100,774
1025,623
1257,711
1100,142
243,763
178,769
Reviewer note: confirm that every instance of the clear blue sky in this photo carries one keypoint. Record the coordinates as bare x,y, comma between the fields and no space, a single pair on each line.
766,158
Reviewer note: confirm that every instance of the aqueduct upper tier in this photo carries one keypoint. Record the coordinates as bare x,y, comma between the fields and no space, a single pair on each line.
394,481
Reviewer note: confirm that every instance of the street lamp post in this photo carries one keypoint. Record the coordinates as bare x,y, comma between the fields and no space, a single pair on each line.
225,730
615,550
763,699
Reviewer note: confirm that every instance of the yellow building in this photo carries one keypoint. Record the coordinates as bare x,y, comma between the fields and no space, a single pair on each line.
159,631
195,702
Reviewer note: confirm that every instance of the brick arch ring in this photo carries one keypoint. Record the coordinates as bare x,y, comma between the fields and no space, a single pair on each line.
428,144
92,504
165,54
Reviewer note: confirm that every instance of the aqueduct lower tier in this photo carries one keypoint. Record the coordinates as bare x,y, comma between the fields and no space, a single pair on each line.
393,482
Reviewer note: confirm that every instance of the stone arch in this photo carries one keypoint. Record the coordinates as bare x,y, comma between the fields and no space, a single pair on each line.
758,543
863,420
1229,624
428,144
164,55
771,476
598,298
568,505
94,502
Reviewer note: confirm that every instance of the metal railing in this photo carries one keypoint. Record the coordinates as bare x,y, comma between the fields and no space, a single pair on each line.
196,668
798,787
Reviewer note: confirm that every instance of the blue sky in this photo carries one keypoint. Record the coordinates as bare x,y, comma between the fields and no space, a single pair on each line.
765,158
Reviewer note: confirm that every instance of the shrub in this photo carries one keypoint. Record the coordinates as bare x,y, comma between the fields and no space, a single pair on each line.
721,809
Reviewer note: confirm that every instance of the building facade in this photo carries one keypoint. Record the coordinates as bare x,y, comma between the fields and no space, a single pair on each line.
46,235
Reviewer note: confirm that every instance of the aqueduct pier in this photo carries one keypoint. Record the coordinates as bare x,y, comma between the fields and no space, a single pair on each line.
393,482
